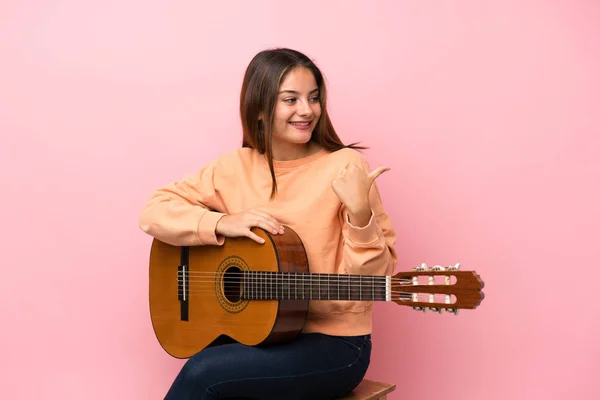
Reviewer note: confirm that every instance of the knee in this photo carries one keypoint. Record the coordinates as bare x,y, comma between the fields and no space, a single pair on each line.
196,371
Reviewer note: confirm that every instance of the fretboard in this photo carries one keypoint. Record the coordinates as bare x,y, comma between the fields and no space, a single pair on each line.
259,285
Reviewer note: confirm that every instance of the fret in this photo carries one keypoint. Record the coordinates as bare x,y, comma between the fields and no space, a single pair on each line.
244,287
359,287
373,288
283,287
261,276
348,285
319,280
364,295
250,275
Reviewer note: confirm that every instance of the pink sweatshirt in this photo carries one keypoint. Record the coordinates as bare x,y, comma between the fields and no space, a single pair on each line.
179,214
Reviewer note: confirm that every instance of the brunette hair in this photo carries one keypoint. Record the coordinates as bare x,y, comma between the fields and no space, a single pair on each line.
261,84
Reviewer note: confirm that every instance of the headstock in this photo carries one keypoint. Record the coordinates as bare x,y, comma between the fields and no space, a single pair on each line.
438,289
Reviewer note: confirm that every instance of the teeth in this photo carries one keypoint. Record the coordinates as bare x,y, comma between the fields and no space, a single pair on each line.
300,123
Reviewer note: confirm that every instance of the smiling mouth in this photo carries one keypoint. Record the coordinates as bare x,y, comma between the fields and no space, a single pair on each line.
295,123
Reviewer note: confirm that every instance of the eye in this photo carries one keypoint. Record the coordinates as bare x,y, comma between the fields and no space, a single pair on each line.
289,100
315,99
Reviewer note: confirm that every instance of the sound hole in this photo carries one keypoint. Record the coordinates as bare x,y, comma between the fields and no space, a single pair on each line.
232,284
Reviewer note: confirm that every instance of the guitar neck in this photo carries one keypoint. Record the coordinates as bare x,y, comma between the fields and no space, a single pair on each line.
264,285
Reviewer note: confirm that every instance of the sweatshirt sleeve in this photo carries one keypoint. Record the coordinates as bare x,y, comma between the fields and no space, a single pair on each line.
185,212
369,250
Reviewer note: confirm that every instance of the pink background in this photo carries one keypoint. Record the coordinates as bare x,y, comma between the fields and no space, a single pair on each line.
487,113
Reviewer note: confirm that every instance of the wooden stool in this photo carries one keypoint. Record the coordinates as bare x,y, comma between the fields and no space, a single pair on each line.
370,390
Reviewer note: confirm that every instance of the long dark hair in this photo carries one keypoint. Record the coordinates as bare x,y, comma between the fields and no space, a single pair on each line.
261,84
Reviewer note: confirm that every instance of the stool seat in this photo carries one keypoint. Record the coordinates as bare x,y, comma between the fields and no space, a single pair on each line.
370,390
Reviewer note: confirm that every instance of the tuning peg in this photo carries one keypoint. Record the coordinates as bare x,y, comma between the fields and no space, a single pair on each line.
437,310
437,268
452,310
454,267
422,267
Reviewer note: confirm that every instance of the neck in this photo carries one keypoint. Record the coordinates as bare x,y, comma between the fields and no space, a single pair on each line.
268,285
292,151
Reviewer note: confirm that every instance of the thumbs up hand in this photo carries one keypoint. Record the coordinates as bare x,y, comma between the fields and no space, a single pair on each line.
352,186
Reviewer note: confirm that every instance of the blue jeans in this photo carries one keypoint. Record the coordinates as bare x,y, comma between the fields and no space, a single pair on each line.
313,366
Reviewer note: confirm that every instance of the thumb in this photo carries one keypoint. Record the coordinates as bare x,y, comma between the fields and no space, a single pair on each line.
376,172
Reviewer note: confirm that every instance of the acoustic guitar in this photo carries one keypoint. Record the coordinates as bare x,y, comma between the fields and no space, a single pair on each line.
258,294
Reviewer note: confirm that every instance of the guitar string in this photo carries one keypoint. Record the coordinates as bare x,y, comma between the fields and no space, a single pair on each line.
354,281
301,286
308,274
382,290
366,295
342,285
308,283
303,277
323,296
300,276
364,282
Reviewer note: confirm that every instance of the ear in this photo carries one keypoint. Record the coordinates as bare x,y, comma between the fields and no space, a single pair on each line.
260,116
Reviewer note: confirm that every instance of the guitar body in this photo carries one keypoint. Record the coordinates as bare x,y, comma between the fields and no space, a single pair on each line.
195,293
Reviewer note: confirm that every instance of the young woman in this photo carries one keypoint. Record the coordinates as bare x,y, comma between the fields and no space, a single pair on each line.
292,170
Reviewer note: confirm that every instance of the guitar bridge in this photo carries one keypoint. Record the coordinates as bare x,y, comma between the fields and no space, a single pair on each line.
183,284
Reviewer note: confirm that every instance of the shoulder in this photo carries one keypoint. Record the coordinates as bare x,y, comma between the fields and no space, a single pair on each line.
229,164
347,156
236,158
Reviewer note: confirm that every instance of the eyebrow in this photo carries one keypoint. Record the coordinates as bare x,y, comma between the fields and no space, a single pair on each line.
294,92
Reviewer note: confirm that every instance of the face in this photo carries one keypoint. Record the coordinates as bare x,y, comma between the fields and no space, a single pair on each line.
297,110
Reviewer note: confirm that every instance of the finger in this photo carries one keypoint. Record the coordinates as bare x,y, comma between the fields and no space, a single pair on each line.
255,237
378,171
263,224
262,215
266,224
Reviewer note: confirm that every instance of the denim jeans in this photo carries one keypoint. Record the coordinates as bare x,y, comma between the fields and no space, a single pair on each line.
313,366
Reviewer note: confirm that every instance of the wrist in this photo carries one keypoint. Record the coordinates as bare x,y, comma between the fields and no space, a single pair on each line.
359,217
217,230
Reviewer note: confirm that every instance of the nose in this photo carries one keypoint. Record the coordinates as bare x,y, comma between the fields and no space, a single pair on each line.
304,108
